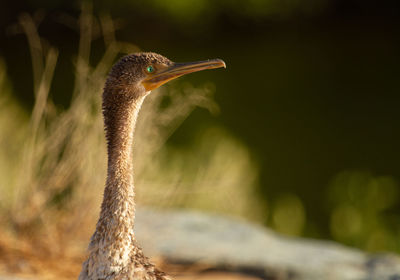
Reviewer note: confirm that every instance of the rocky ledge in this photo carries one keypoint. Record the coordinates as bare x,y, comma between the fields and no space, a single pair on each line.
233,245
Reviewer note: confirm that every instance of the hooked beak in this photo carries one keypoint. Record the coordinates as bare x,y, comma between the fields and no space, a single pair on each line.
176,70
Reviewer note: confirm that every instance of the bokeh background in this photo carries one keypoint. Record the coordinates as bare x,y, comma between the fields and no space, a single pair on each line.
300,133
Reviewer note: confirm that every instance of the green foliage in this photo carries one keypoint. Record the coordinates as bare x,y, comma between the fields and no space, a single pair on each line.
204,11
288,215
360,202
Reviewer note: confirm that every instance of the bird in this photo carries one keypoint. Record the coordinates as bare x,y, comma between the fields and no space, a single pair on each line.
113,251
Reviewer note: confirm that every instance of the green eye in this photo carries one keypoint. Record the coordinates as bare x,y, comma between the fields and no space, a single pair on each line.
150,69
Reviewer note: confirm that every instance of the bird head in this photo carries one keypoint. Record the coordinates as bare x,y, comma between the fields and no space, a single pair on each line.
140,73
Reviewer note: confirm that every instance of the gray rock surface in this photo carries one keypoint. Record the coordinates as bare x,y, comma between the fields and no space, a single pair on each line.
226,243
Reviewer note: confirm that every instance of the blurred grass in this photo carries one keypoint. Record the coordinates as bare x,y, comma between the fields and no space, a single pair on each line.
53,162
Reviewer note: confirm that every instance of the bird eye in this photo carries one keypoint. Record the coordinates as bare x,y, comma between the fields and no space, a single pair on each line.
150,69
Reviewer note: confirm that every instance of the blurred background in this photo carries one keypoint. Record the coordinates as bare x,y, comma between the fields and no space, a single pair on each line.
299,133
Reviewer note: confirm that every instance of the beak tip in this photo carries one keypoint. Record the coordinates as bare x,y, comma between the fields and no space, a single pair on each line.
223,64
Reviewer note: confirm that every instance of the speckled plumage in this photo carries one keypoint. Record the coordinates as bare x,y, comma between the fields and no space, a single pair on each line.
113,250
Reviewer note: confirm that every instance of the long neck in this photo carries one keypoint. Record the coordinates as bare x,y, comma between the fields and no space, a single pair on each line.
120,116
118,209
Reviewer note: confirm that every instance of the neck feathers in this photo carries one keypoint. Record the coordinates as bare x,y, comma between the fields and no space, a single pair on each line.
113,241
120,113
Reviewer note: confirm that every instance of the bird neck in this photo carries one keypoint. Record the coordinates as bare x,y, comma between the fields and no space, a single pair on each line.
118,209
113,244
120,116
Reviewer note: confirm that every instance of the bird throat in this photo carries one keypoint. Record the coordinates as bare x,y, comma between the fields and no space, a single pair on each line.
114,238
120,116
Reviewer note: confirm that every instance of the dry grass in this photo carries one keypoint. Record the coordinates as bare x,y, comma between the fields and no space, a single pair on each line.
53,162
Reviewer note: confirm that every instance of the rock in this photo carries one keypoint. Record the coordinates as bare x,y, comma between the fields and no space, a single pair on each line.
235,245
